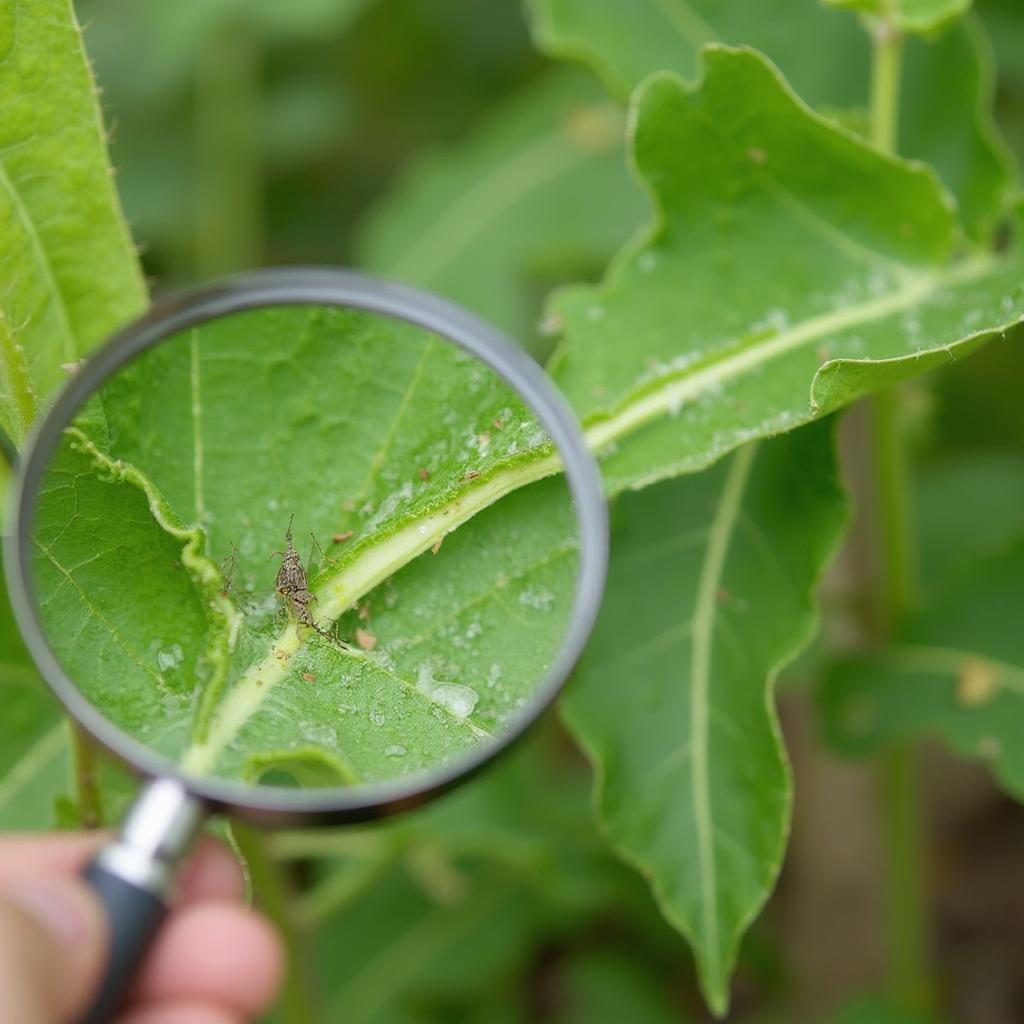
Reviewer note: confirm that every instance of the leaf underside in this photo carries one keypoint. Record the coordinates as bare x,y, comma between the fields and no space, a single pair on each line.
709,594
360,428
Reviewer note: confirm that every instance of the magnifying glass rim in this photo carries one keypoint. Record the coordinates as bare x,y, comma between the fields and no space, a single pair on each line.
315,286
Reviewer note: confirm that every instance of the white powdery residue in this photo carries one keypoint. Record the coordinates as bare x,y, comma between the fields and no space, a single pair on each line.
315,732
425,678
539,599
378,717
390,505
494,674
169,657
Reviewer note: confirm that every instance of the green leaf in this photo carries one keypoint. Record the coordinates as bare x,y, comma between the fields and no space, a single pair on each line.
362,428
945,114
921,16
34,739
466,221
955,671
709,594
398,947
838,263
68,268
609,987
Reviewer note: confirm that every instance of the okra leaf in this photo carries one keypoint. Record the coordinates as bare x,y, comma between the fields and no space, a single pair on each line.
496,221
945,103
709,594
790,269
69,269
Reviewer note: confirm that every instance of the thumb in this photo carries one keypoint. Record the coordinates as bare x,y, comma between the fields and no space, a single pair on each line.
53,940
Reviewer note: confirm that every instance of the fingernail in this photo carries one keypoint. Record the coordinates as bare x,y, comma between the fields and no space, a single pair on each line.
54,905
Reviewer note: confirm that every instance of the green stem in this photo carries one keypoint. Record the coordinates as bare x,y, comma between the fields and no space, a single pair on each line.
273,888
229,164
87,788
886,66
894,519
906,915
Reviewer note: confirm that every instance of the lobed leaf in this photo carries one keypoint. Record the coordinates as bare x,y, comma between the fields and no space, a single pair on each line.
946,99
790,269
709,595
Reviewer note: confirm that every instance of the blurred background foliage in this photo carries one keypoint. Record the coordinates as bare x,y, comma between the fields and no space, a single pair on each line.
429,141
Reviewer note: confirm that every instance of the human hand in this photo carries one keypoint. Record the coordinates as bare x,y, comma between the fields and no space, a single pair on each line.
215,961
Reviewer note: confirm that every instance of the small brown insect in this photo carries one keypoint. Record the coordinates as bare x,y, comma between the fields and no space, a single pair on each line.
340,538
293,586
424,475
309,677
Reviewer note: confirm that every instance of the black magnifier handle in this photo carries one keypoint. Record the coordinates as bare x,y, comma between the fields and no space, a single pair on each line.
132,878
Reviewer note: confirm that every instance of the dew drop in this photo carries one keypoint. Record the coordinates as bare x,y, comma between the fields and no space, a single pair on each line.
459,700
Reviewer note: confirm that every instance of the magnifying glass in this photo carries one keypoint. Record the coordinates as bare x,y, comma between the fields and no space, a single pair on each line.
299,547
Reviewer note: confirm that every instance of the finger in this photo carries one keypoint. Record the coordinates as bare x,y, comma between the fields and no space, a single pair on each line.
186,1012
53,939
49,853
212,872
218,953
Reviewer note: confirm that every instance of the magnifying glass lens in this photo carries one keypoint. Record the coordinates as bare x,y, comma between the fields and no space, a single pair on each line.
305,546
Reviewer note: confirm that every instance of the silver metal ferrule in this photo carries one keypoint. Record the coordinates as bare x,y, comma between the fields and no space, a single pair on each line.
156,833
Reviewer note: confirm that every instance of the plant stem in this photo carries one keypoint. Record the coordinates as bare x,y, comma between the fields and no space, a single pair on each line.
273,889
906,918
87,789
229,164
886,65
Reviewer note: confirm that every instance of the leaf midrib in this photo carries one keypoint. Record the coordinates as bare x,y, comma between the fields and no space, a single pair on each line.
667,392
712,568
